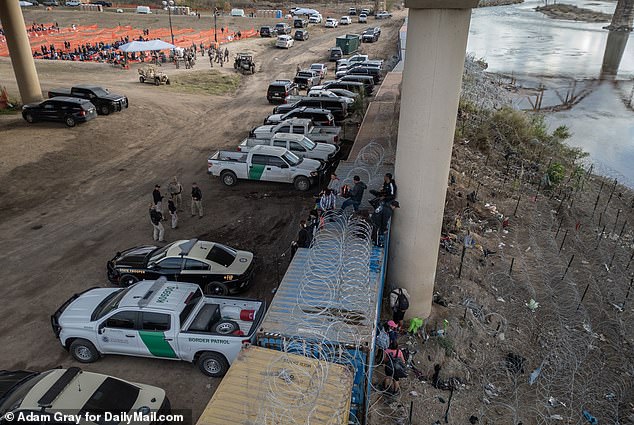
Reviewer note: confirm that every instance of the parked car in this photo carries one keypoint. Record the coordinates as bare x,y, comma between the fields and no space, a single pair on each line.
370,35
320,68
299,144
300,23
102,3
73,3
337,106
157,319
327,93
69,110
366,12
352,86
367,80
363,18
331,23
306,78
352,11
333,91
216,268
321,117
266,31
279,90
60,393
383,15
284,41
298,126
282,28
345,20
315,18
375,73
301,35
50,3
265,163
104,101
335,53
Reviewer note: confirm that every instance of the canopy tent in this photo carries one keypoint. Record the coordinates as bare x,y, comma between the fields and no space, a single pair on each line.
142,46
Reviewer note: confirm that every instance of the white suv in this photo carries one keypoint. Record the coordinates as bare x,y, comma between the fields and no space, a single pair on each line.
73,3
284,41
345,20
331,23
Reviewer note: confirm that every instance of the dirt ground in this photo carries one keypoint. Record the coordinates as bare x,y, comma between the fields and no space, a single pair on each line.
72,197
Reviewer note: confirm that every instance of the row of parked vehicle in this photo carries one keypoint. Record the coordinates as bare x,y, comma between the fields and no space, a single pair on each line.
74,105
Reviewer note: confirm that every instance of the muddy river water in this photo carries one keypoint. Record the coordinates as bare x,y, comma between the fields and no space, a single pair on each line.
566,60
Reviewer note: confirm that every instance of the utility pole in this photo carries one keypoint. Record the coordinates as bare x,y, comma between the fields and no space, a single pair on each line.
215,25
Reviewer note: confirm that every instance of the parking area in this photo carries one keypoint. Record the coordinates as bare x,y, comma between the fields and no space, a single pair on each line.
73,197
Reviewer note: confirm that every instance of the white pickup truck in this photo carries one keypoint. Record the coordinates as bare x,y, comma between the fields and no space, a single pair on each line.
303,126
158,319
299,144
358,58
265,163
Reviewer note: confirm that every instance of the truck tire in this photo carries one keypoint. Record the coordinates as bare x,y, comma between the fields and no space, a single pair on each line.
141,79
128,279
157,81
29,118
104,109
301,183
213,364
228,178
226,327
69,121
216,288
167,81
84,351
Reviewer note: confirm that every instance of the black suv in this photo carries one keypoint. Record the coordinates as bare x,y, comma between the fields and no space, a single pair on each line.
266,32
102,3
300,23
371,35
301,35
335,54
279,89
69,110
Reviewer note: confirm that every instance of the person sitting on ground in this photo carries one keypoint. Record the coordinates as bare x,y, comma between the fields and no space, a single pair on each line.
394,361
387,192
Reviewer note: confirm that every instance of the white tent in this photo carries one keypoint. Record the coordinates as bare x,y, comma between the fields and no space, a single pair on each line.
304,11
143,46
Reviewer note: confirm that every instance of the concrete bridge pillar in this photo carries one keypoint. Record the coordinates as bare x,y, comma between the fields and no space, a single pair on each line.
20,51
437,32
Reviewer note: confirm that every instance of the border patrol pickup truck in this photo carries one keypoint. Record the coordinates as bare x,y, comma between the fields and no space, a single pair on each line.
158,319
265,163
302,126
298,144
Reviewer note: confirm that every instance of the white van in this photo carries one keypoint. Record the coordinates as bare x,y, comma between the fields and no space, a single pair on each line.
237,12
143,9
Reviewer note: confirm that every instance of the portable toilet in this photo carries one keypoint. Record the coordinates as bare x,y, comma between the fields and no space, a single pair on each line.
348,43
278,14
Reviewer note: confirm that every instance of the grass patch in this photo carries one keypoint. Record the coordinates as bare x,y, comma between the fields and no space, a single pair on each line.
206,82
10,111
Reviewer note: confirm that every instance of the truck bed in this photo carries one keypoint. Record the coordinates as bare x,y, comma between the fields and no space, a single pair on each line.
59,92
229,156
215,310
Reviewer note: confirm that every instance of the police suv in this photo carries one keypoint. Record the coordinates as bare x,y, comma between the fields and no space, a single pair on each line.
159,319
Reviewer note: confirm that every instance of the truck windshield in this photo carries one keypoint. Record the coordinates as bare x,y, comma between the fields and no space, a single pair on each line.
309,143
15,395
112,395
291,158
109,303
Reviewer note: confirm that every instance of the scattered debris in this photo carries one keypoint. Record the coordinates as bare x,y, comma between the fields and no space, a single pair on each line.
532,305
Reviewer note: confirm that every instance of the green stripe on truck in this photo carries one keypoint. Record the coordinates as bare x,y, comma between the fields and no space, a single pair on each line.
256,171
156,344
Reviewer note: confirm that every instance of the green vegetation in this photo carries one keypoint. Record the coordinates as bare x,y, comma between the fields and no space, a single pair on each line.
206,82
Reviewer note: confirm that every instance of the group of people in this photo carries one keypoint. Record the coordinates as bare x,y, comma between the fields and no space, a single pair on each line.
100,51
174,205
216,54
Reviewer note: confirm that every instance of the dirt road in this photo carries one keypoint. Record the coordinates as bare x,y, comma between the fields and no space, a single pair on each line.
72,197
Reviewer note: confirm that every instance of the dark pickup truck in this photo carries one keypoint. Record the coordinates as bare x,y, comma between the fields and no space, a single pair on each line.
104,101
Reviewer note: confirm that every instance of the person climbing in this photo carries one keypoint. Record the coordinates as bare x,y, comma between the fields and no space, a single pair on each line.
355,195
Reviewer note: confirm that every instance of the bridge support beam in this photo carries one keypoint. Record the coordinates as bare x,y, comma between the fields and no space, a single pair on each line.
434,61
20,51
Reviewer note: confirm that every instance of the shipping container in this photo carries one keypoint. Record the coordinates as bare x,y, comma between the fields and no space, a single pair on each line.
348,43
295,322
267,387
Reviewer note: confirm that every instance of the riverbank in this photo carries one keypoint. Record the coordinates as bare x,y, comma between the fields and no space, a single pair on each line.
533,279
573,13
